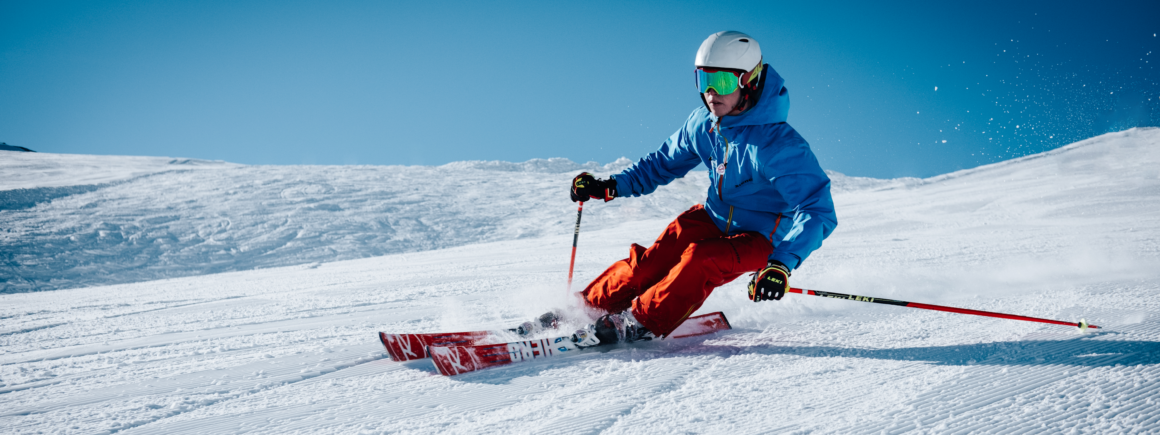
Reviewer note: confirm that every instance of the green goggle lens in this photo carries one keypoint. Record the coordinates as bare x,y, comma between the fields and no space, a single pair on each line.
722,82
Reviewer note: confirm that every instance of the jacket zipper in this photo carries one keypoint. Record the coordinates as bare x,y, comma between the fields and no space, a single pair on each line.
724,166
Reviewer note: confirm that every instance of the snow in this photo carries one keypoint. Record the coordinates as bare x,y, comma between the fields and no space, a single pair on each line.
157,295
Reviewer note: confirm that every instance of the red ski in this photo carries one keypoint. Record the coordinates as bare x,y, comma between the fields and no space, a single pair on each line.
406,347
456,359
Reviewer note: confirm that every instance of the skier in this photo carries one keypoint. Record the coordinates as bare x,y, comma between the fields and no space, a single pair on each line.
768,205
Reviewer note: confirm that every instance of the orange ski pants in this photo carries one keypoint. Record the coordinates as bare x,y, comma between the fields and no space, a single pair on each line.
667,282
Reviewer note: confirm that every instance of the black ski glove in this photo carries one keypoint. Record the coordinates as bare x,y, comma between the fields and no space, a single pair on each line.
585,187
772,282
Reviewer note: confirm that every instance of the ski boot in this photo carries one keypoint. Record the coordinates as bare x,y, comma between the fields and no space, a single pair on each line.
548,320
620,328
586,337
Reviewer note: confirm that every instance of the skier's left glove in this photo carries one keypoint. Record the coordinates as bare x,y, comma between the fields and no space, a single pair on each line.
772,282
585,187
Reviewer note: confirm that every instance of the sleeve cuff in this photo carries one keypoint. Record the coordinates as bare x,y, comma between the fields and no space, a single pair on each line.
622,188
789,260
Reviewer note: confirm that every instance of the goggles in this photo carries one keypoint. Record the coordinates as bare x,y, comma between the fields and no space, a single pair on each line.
724,82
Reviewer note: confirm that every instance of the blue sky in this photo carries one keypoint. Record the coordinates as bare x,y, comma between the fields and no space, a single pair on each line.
291,82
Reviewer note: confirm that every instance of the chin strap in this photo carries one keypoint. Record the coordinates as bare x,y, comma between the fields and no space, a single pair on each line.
741,103
750,94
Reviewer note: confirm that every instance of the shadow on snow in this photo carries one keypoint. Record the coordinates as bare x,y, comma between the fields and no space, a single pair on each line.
1081,351
1076,352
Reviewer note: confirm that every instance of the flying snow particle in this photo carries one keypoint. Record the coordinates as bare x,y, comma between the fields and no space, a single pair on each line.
917,113
936,88
944,141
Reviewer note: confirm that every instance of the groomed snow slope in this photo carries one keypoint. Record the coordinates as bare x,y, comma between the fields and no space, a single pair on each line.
1066,234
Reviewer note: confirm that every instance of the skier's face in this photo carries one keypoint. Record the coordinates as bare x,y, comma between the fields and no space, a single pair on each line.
722,105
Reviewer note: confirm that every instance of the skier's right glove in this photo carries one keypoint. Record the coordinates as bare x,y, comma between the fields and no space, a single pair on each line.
772,282
585,187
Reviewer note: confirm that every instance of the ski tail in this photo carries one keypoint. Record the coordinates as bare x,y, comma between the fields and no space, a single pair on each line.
455,359
407,347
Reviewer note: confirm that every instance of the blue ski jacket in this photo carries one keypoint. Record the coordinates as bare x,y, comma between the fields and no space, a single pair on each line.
763,176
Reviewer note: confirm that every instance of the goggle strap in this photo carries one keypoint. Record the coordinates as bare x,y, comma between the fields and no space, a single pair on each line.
756,71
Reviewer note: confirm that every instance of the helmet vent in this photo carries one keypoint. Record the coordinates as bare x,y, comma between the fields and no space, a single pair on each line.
743,40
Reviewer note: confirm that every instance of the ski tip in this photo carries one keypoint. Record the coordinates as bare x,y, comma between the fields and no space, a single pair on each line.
717,316
700,325
726,320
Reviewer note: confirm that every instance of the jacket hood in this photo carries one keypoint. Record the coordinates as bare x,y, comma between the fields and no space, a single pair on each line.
771,108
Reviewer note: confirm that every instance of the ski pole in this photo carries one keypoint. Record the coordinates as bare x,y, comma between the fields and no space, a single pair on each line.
1082,324
575,238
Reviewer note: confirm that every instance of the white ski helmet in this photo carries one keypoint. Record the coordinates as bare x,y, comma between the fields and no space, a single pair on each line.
729,50
732,50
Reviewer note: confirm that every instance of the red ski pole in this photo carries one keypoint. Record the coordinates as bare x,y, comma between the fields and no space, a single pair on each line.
575,238
1082,324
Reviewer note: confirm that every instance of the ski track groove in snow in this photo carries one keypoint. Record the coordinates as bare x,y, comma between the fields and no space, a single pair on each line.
964,408
183,296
